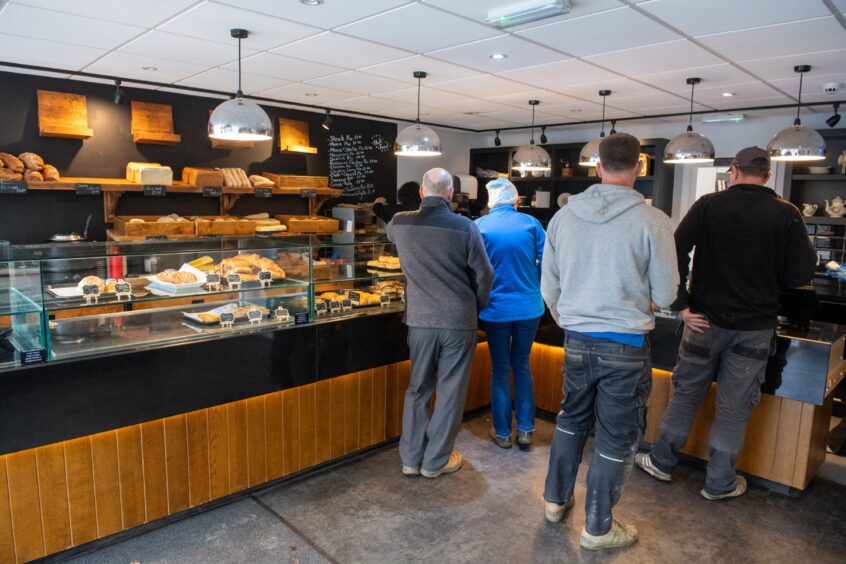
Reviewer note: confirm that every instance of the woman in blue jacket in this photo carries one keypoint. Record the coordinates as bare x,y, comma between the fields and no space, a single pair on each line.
514,243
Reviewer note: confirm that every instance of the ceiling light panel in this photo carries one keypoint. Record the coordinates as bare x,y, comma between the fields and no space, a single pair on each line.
340,50
478,10
477,55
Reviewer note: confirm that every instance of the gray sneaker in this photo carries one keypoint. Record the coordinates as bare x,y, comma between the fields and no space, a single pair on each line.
620,535
524,438
555,512
410,470
501,442
739,490
644,462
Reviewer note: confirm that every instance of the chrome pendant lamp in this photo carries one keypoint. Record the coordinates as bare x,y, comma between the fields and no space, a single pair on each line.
417,140
689,147
531,158
589,155
797,143
240,119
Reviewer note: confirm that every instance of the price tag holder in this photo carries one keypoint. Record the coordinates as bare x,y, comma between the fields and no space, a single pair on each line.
156,238
12,187
355,298
123,291
85,189
308,193
346,305
91,293
320,307
334,306
384,300
255,316
212,191
282,314
234,281
155,190
265,278
213,282
264,192
349,269
33,356
227,320
301,318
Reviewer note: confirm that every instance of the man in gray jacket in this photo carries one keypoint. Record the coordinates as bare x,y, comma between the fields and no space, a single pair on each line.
608,256
448,280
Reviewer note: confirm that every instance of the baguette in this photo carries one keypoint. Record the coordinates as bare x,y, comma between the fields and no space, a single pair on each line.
32,161
31,175
12,162
50,172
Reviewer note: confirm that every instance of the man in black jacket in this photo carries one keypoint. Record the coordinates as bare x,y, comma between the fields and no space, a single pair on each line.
750,245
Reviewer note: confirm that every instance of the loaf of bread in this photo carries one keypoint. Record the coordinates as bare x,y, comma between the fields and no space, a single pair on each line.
176,277
149,173
7,174
50,172
31,175
32,161
235,177
12,162
261,181
202,176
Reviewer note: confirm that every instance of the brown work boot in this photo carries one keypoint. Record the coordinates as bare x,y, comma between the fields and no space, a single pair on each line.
453,465
620,535
739,490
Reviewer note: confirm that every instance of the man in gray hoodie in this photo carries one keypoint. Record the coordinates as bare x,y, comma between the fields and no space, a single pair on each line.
608,257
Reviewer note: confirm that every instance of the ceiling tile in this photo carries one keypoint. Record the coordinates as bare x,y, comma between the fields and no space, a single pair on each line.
812,86
327,15
372,104
655,103
286,68
742,93
474,106
130,66
153,12
187,49
578,36
16,70
65,28
485,85
176,90
666,57
779,40
47,53
213,22
478,10
308,94
695,17
620,88
226,80
437,71
519,54
558,76
340,50
521,99
522,116
418,28
358,82
585,111
428,96
711,76
824,62
730,103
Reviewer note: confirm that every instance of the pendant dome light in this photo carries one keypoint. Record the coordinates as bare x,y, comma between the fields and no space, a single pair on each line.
589,155
689,147
239,119
417,140
797,143
531,158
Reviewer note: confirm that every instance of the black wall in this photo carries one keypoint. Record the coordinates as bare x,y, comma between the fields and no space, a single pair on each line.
35,216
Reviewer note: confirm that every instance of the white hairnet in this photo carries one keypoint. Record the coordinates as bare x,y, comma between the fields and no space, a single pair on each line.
501,192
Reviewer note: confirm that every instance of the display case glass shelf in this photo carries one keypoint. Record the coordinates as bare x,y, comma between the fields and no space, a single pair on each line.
22,339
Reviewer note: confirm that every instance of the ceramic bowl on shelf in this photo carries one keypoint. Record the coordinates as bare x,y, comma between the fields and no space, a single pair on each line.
819,170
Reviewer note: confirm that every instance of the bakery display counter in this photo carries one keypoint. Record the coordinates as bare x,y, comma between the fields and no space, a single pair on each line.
22,339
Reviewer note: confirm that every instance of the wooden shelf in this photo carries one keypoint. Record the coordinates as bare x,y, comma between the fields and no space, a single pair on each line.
156,138
825,177
152,124
63,115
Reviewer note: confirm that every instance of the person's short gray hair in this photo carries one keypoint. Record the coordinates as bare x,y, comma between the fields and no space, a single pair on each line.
437,182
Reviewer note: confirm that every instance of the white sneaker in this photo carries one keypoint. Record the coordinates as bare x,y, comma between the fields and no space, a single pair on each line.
620,535
410,470
644,462
555,511
739,490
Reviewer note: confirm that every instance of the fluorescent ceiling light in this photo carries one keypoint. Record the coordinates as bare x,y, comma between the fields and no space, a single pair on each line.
723,118
527,11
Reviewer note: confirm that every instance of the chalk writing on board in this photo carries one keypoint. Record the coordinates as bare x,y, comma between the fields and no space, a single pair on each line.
353,160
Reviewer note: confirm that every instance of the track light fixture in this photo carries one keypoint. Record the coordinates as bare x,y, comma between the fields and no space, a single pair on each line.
120,96
543,137
835,119
327,123
497,140
613,127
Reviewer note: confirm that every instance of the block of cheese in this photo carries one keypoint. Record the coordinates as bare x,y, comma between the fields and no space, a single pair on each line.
149,173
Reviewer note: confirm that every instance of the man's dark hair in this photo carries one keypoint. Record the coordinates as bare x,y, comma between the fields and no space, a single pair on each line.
619,152
409,193
759,168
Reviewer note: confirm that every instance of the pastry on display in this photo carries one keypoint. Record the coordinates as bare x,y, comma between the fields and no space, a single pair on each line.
235,177
92,281
392,288
172,218
176,277
149,173
8,174
295,264
33,175
32,161
12,162
248,266
202,263
49,172
270,228
385,266
260,181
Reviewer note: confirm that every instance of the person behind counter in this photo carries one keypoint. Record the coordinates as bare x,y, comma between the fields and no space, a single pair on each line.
408,199
514,243
750,244
608,256
448,280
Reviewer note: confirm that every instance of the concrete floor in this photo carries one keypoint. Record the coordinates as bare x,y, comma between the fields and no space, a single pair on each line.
490,511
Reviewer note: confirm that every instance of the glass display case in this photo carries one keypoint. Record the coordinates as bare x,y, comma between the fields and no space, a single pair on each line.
100,298
22,339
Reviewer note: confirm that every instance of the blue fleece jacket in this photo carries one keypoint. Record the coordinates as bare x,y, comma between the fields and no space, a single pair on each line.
514,242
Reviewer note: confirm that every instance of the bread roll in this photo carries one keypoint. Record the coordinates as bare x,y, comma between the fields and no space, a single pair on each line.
12,162
49,172
7,174
31,175
32,161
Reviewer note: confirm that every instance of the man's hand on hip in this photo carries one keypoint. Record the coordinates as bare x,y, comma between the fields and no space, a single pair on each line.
696,321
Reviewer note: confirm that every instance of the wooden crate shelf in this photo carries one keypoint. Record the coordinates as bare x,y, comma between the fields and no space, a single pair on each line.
63,115
152,124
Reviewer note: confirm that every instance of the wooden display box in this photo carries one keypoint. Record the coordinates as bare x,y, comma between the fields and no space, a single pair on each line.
152,124
151,227
295,181
309,224
294,137
63,115
237,228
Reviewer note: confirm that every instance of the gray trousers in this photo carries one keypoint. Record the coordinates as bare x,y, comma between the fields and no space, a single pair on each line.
449,353
738,360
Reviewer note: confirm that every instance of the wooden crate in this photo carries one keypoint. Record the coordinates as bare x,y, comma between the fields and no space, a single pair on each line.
239,227
151,227
309,224
294,181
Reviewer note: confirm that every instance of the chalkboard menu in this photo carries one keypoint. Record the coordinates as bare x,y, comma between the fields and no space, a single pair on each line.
363,164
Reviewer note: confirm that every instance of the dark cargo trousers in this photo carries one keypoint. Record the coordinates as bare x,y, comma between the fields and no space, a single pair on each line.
605,384
738,360
449,353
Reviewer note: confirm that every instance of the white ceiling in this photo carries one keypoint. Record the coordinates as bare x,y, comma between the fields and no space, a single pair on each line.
359,55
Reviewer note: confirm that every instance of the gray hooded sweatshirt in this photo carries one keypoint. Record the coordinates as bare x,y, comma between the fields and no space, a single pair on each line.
608,256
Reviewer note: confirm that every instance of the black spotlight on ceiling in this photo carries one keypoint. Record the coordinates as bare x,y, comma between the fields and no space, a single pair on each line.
327,123
543,137
120,97
613,127
835,119
497,141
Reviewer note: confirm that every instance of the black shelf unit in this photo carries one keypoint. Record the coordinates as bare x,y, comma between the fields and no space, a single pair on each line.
657,184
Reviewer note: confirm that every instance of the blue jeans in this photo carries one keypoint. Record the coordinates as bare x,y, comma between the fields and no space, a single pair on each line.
605,384
510,345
